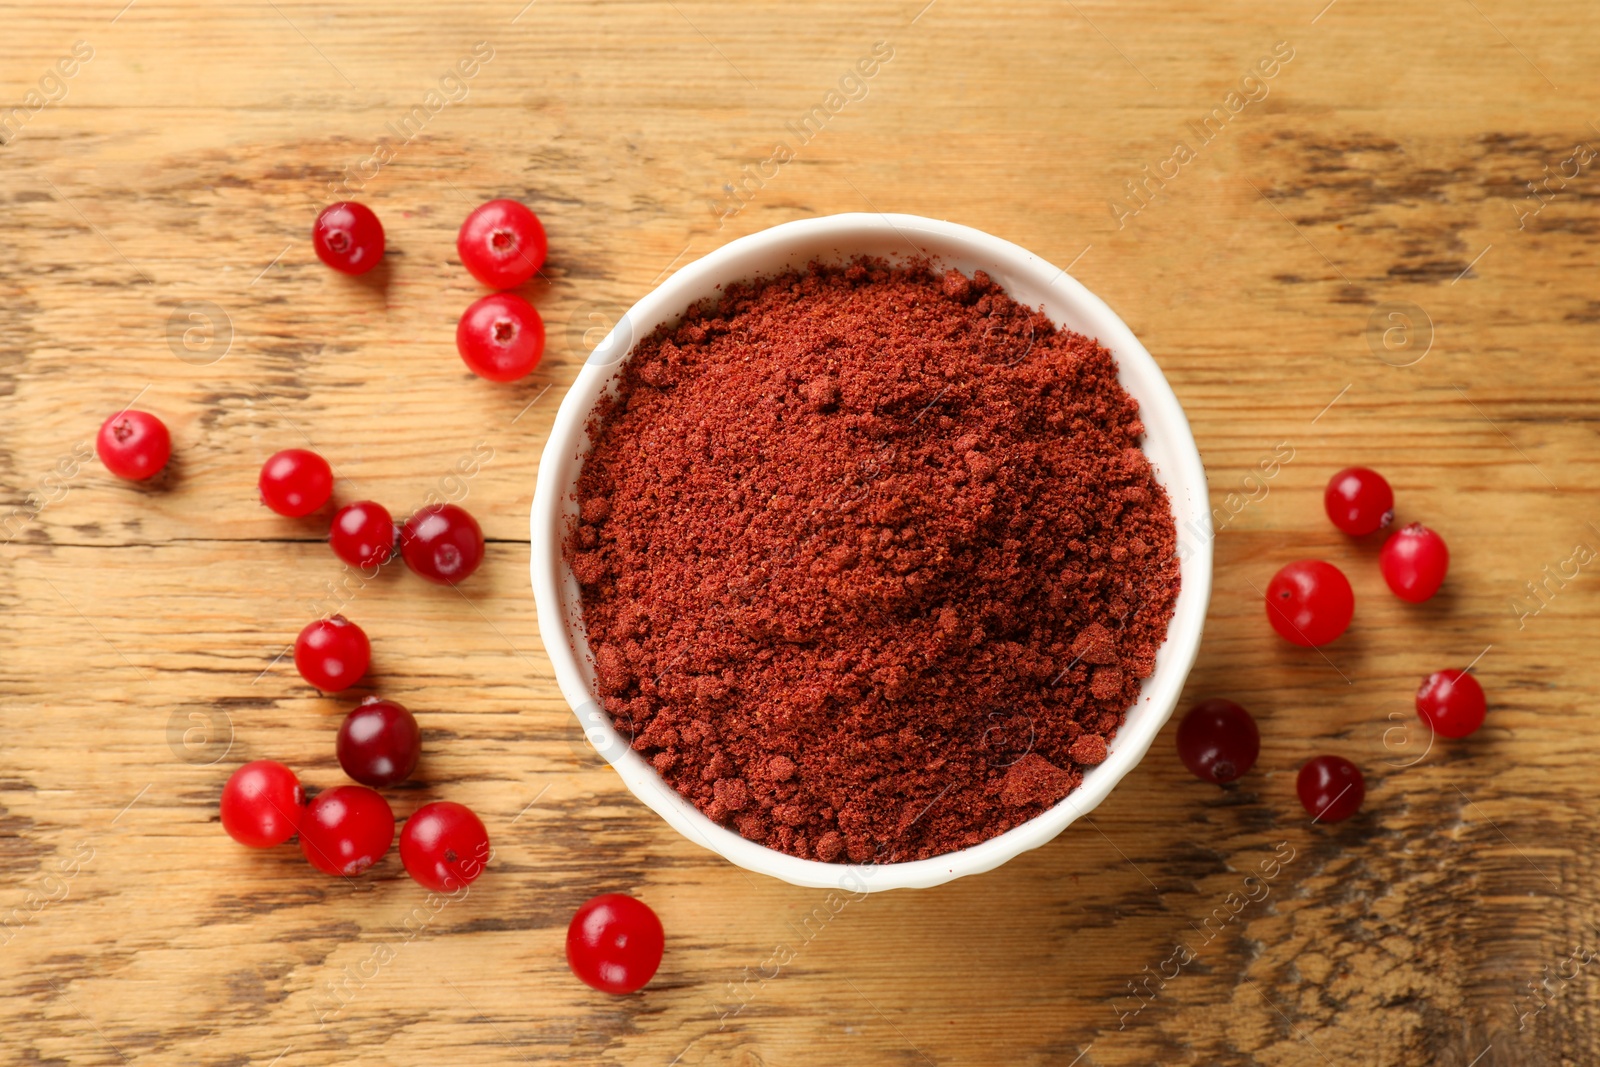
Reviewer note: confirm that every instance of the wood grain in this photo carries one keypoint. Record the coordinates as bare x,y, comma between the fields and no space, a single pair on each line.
1385,169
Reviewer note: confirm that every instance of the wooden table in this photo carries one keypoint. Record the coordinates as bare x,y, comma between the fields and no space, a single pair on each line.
1344,263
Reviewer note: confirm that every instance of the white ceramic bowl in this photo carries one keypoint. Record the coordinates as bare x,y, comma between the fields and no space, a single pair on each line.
1031,281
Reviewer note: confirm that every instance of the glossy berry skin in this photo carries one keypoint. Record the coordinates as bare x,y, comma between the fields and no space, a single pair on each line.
348,237
502,243
444,846
1310,602
262,804
1359,501
134,445
332,654
1331,788
379,743
1218,741
1414,561
346,830
363,534
500,337
614,943
1452,703
442,543
295,482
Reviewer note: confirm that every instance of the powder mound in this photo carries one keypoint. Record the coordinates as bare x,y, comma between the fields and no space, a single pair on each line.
871,562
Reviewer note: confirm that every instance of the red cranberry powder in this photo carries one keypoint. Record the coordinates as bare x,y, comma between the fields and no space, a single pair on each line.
871,562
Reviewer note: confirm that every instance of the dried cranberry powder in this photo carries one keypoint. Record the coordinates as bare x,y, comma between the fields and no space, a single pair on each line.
871,562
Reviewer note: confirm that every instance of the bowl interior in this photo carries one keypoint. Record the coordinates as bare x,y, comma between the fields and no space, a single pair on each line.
1028,279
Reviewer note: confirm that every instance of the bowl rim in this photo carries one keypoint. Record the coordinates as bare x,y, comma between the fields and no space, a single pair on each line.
666,302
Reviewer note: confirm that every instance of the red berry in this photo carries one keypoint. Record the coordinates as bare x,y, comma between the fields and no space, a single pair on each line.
348,237
1414,561
295,482
1331,788
500,337
1451,702
379,743
614,943
332,654
134,445
1218,741
1310,603
346,830
1359,501
363,534
502,243
262,804
442,543
444,846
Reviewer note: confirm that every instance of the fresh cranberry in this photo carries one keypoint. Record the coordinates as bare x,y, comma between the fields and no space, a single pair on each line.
500,337
1218,741
442,543
1359,501
134,445
348,237
295,482
262,804
1310,602
614,943
363,534
332,654
1331,788
1452,702
379,743
502,243
346,830
1414,561
444,846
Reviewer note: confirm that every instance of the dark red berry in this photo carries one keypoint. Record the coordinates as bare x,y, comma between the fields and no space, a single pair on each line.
444,846
262,804
1310,602
1331,788
500,337
1359,501
1414,561
1218,741
134,445
332,654
442,543
346,830
614,943
348,237
363,534
295,482
502,244
1452,702
379,743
